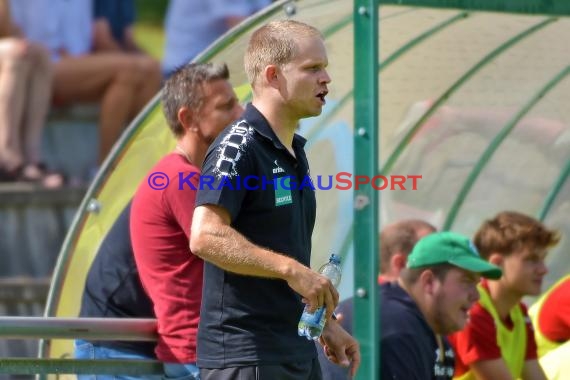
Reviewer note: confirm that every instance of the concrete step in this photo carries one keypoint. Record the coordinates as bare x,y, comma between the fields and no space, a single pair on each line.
33,225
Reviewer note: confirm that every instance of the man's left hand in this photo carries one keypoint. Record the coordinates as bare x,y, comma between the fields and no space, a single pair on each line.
340,347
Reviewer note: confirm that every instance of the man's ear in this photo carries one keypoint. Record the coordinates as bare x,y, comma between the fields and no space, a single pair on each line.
271,75
185,117
427,281
398,262
496,259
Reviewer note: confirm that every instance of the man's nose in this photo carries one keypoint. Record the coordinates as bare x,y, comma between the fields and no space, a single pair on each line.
326,77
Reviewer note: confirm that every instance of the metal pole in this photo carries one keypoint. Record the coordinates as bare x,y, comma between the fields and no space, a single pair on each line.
366,199
78,328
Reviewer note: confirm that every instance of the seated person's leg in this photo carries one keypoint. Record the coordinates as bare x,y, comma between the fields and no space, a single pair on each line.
37,98
110,79
150,70
14,69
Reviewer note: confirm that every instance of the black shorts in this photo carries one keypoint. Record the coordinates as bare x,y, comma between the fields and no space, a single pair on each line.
305,370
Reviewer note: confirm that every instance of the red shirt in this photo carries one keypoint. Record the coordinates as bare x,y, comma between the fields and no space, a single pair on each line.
477,341
554,317
170,273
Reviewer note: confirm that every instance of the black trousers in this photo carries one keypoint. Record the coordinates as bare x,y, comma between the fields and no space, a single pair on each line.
305,370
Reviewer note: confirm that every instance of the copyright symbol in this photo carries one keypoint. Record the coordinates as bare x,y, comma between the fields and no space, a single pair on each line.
158,181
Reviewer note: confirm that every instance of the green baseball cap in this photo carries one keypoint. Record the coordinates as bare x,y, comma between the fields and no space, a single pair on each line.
454,249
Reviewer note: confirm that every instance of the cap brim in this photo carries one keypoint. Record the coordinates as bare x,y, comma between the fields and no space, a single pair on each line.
478,265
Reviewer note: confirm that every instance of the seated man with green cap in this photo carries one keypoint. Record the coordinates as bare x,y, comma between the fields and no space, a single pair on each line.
431,299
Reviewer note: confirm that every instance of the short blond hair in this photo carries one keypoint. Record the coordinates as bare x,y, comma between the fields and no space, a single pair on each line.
275,44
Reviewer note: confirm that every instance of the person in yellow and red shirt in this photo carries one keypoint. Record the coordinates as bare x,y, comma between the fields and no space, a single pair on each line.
498,341
551,320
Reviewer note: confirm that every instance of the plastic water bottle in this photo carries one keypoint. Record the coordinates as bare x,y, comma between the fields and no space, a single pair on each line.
311,325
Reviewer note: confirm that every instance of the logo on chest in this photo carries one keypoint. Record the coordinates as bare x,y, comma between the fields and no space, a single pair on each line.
444,363
283,191
277,169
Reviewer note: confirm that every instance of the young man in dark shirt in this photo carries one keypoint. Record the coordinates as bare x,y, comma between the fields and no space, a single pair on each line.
254,230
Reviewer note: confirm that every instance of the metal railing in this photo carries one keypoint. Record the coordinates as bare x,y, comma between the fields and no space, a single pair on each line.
116,329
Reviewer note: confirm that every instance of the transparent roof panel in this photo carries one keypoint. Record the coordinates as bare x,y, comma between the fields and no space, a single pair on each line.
464,96
458,79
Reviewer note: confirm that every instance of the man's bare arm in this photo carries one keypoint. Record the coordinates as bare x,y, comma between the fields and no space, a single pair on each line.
214,240
533,371
495,369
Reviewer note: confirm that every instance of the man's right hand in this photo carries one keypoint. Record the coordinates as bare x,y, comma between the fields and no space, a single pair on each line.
316,289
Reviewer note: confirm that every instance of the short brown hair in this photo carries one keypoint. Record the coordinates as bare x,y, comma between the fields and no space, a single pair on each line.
509,231
401,237
184,89
274,44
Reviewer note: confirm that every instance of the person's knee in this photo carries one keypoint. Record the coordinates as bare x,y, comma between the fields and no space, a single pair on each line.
15,49
136,71
40,55
128,71
150,67
149,71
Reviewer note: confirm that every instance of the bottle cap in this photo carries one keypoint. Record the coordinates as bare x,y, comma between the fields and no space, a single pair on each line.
334,259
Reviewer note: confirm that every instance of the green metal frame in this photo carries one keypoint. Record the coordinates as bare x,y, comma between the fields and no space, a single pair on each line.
547,7
322,123
553,193
366,146
348,239
366,200
496,142
456,86
25,366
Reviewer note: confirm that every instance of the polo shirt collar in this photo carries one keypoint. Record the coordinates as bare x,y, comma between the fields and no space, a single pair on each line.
261,126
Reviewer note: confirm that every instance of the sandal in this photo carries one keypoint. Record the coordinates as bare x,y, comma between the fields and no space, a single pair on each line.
39,173
10,175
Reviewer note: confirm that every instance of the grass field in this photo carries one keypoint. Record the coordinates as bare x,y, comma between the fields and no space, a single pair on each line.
149,31
150,37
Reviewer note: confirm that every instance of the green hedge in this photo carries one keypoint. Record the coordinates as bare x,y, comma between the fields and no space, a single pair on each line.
151,11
